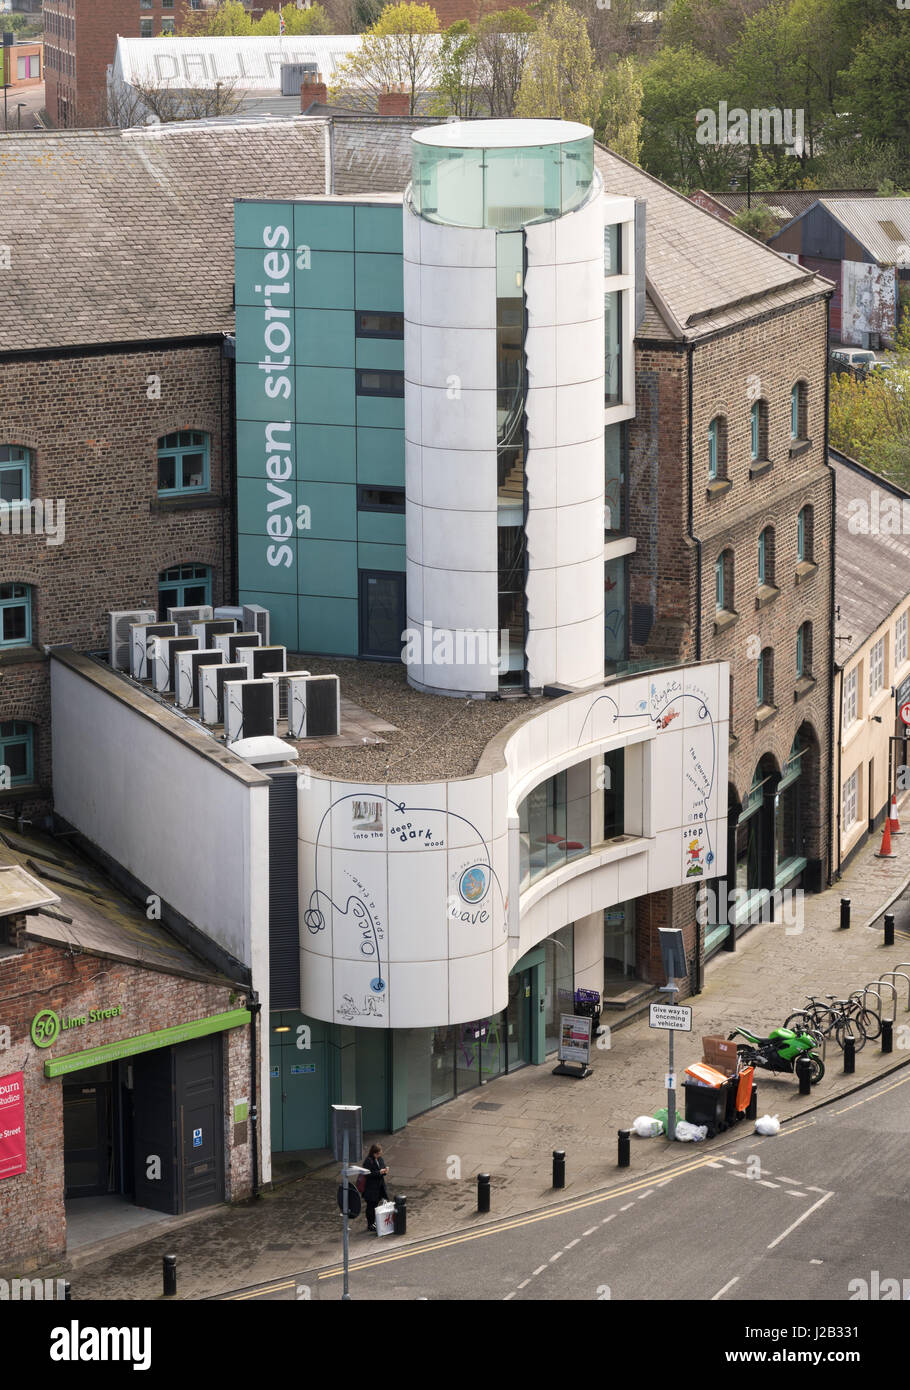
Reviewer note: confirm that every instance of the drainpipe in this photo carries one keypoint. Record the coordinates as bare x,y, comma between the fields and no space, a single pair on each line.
255,1008
692,537
831,643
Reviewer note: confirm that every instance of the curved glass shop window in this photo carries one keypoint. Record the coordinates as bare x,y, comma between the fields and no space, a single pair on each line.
554,822
496,187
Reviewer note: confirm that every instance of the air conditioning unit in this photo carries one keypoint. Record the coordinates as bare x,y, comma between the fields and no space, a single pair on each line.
250,709
281,679
141,639
211,690
314,706
256,619
229,611
185,617
163,660
261,660
231,642
210,628
119,625
186,686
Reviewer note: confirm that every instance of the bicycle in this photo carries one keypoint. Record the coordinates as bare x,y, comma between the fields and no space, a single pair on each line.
841,1018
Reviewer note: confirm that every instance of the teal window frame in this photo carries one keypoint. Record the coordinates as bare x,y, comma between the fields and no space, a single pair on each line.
801,536
183,577
761,558
712,451
755,432
18,733
14,596
719,583
15,459
760,682
800,649
189,442
794,412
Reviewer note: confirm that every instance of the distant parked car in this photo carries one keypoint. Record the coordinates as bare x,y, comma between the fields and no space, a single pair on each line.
855,362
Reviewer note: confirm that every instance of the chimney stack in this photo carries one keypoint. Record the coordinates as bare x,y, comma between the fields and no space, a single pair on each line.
312,89
395,101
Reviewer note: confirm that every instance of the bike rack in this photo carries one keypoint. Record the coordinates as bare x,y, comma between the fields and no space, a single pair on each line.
888,985
893,974
868,990
898,970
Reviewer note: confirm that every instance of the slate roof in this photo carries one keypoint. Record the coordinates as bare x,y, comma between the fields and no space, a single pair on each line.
871,569
89,913
125,235
122,236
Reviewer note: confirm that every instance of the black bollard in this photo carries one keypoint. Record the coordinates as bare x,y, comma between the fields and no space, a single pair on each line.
845,912
887,1035
559,1167
169,1264
889,928
625,1148
67,1291
752,1107
804,1072
483,1192
849,1055
401,1216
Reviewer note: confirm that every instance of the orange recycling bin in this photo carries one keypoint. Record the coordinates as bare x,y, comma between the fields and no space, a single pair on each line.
744,1089
704,1075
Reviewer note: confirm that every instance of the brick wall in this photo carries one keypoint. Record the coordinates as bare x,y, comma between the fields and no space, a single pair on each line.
92,430
32,1217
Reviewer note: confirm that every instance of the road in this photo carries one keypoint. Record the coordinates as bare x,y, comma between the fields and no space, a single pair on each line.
801,1215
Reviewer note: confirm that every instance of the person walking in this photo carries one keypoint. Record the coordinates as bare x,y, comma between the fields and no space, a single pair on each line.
374,1188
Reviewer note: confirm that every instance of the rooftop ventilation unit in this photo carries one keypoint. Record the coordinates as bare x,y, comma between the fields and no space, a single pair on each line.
210,628
119,624
281,679
292,75
250,709
232,642
265,752
314,706
262,660
229,611
185,617
186,688
211,690
163,660
256,619
141,639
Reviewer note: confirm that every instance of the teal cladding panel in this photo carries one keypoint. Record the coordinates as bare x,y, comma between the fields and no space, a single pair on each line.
386,412
328,625
379,229
327,284
324,226
266,449
326,453
333,511
387,528
325,337
255,555
380,456
283,609
325,396
384,353
328,568
379,281
381,557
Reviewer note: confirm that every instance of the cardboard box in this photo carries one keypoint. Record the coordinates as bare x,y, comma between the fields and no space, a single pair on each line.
720,1053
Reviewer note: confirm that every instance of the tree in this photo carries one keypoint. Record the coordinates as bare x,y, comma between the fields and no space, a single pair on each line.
229,18
559,80
710,27
618,124
150,103
399,49
757,220
503,40
457,72
678,85
870,421
878,86
314,20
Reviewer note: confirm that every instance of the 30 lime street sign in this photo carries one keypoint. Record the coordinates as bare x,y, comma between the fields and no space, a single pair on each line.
47,1026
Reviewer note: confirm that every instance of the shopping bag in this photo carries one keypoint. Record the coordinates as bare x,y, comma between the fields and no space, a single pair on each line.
361,1183
385,1219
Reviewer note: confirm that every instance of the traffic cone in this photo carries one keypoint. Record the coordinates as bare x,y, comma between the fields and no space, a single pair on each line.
886,852
895,823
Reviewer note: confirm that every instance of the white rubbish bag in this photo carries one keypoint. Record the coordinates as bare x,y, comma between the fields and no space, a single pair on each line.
768,1124
646,1127
385,1219
690,1133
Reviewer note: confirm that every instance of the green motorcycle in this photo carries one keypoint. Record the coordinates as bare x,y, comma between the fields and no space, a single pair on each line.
779,1051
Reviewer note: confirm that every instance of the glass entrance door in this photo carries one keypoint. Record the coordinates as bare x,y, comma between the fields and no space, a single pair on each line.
518,1020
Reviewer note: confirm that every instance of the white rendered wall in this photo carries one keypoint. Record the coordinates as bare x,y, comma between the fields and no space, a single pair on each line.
450,432
564,349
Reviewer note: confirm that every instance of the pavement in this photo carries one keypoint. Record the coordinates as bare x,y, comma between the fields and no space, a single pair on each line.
511,1127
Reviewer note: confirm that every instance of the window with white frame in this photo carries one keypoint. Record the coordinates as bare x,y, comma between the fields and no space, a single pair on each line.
877,666
851,691
850,808
900,640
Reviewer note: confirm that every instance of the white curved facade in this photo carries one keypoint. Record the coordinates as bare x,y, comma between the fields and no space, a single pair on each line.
415,904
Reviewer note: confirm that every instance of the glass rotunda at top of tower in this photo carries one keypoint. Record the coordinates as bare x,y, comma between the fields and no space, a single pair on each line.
502,174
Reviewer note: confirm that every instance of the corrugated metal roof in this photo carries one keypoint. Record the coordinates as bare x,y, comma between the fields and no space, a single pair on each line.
867,220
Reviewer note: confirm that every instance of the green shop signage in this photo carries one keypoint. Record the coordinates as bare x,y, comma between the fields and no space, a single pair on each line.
146,1042
47,1026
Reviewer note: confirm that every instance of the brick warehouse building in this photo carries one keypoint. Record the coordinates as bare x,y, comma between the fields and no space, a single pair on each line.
126,1070
107,381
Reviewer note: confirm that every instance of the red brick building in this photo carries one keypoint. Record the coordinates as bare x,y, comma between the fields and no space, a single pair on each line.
80,38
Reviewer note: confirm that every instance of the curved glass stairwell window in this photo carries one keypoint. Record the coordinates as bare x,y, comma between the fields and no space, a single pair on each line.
510,452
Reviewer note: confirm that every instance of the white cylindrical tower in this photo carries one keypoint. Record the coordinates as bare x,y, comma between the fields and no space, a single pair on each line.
504,400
